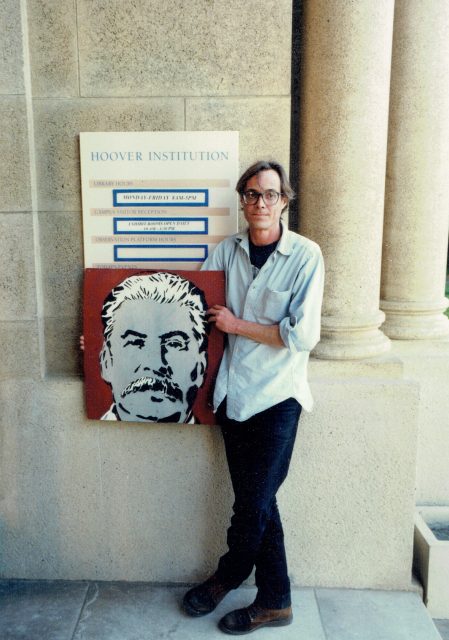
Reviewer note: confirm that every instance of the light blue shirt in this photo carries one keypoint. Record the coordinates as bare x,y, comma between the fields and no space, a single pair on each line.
288,290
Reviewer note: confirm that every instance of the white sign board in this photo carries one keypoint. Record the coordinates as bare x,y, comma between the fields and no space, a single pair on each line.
157,200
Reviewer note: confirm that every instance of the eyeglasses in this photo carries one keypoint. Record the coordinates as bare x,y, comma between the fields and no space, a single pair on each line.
270,197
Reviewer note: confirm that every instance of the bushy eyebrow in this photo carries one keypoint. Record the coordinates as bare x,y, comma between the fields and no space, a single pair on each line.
131,332
172,334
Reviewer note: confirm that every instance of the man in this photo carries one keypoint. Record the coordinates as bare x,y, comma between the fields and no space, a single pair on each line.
154,353
274,288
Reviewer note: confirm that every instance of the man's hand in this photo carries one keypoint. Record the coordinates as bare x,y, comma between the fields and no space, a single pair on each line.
82,343
227,322
224,319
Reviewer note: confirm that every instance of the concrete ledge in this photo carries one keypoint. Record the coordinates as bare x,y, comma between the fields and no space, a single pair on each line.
431,558
89,500
427,362
387,366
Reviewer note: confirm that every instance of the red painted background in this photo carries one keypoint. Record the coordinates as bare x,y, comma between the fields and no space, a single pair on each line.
97,285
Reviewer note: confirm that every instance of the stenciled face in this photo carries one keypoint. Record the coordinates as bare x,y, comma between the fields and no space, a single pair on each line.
154,365
263,220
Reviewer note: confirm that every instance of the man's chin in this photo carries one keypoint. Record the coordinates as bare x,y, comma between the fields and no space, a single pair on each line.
150,414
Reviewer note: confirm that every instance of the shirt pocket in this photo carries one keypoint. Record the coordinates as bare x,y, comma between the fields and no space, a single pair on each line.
272,306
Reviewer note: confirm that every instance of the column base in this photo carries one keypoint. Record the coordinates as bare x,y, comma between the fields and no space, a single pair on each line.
341,341
415,320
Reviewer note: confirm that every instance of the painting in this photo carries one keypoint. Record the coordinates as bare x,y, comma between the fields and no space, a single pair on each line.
150,353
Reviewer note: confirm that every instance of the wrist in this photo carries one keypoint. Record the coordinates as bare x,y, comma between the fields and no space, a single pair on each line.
238,327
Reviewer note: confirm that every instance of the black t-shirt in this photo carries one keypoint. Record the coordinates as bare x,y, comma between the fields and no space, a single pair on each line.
259,255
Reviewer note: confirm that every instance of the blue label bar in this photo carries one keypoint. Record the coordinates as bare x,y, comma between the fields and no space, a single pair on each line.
133,229
160,197
119,250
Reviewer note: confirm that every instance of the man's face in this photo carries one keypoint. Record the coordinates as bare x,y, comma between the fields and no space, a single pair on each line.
260,216
154,366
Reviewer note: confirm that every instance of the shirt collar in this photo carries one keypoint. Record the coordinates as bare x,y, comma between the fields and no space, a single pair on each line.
284,245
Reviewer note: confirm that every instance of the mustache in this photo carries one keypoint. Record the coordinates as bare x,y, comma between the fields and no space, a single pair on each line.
168,388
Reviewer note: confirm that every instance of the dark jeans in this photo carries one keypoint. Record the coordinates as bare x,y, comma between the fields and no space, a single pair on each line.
258,451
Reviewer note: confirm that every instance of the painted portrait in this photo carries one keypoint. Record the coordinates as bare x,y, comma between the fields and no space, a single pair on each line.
150,353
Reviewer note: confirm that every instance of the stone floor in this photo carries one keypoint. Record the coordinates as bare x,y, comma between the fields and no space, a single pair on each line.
59,610
443,628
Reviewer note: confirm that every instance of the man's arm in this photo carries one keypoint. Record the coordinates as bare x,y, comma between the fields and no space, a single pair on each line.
227,322
300,330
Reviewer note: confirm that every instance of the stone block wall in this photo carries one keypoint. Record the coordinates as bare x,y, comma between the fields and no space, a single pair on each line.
18,310
78,65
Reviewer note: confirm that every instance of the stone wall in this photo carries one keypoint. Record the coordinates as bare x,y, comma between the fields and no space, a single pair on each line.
85,500
74,66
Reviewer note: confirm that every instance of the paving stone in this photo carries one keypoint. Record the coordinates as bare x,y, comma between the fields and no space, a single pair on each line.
127,611
38,610
374,615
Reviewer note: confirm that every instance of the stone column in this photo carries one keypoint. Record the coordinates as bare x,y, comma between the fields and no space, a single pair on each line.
343,142
417,185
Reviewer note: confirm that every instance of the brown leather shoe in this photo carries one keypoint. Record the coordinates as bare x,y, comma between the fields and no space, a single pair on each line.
253,617
204,598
